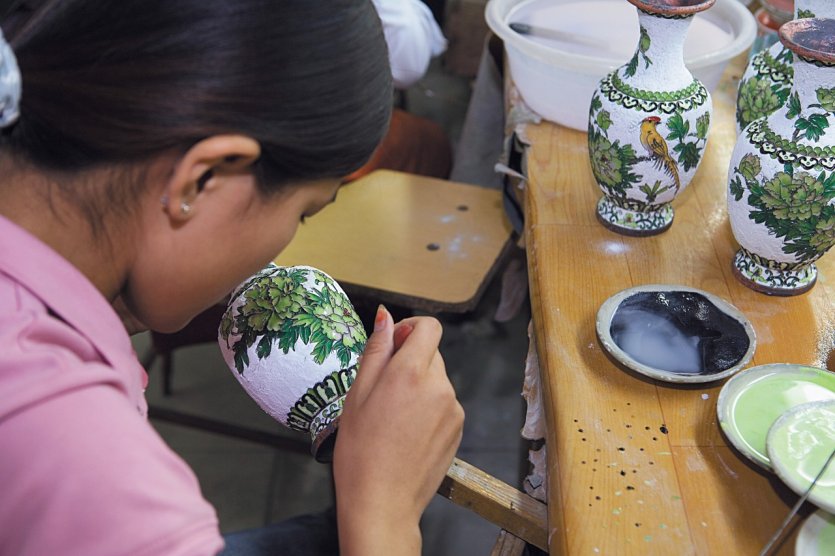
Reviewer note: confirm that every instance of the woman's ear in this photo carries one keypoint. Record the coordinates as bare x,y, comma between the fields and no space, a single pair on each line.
202,167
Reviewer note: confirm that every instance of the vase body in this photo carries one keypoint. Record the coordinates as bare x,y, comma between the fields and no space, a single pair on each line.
648,124
781,179
292,338
767,80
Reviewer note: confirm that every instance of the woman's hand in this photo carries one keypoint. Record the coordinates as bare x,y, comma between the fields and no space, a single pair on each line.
397,436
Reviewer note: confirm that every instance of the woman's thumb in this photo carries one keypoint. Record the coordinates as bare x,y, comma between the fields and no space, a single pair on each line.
378,351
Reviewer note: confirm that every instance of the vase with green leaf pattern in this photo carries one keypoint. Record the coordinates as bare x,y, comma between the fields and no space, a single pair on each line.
766,83
292,339
648,123
781,179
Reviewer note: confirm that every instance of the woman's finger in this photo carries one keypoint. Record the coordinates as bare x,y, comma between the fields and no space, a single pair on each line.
419,348
401,332
378,351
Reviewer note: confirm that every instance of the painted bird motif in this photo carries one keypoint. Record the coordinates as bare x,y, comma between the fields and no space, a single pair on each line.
656,146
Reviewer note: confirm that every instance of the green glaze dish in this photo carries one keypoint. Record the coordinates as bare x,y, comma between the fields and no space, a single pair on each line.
799,445
753,399
817,535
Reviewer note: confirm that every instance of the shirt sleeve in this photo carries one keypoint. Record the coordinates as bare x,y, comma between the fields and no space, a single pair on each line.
413,37
82,473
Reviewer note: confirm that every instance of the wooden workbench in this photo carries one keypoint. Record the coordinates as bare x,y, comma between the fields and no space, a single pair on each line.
637,466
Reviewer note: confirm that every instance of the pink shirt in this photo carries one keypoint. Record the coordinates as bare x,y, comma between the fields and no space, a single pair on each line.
81,470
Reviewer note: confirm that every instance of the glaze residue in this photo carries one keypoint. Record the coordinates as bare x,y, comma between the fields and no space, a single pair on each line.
678,332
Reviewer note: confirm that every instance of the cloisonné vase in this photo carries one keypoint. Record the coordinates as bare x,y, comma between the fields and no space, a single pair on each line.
292,338
767,81
781,180
649,123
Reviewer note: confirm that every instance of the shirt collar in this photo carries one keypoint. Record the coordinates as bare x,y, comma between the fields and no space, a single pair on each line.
65,290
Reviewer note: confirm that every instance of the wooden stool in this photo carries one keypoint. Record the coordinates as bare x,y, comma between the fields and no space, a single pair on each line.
523,519
410,241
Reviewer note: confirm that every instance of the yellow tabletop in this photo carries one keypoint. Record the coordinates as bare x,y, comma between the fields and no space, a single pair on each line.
618,482
413,241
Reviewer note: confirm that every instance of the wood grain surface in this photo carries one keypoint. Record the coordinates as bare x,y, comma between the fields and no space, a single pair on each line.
638,466
515,512
409,240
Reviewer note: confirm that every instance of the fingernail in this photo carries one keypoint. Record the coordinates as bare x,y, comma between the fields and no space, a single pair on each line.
380,319
401,333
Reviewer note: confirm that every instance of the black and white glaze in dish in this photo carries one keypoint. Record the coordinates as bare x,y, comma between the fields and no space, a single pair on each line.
675,333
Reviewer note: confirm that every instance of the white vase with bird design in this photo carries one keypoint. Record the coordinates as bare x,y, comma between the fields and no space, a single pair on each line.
648,123
781,179
767,81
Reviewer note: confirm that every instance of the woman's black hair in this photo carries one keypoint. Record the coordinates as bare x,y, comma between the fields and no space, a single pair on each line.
109,82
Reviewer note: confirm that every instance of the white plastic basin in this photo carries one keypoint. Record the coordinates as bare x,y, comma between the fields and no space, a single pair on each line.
557,79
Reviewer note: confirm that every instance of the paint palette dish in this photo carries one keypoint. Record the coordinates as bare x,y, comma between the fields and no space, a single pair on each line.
817,535
675,334
750,403
799,445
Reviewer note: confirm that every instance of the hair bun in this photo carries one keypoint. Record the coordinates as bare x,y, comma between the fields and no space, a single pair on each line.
10,85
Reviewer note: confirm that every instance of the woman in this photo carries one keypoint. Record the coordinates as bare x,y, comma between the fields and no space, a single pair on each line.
162,151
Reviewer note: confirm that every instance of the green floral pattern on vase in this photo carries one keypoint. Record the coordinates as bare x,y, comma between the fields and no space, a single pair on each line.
292,338
781,183
767,80
795,206
758,97
644,42
279,309
811,123
611,163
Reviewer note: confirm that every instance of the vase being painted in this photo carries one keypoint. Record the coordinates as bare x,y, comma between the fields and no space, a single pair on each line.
767,80
292,338
648,123
781,181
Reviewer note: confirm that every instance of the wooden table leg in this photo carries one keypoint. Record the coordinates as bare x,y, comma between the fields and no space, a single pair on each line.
508,545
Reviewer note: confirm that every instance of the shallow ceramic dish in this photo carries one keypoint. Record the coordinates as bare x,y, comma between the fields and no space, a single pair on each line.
675,333
799,445
557,79
816,536
751,401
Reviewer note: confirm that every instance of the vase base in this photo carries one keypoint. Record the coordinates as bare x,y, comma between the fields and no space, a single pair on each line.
323,442
636,223
773,281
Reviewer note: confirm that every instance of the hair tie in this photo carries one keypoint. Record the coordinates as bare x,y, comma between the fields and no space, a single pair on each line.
9,84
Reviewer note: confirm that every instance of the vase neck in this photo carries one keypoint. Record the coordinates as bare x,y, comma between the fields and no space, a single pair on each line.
809,113
658,62
814,8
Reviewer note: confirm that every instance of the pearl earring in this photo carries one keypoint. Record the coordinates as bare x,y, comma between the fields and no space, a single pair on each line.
185,208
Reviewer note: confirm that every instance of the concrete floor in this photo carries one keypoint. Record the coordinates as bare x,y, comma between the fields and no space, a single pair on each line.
252,484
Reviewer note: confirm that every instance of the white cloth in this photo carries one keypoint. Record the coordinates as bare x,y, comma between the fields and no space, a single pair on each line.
413,37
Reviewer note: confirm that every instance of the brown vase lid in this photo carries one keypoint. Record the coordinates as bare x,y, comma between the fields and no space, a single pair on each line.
672,7
810,38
